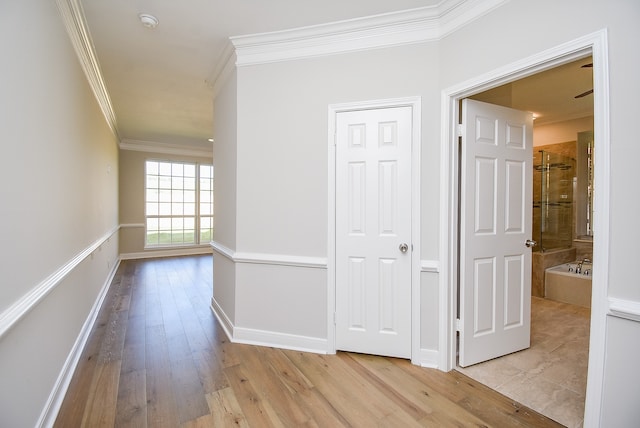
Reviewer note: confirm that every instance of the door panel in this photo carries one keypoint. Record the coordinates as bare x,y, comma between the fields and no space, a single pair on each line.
373,218
495,203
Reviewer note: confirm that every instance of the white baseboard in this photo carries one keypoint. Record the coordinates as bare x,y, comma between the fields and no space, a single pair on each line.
172,252
52,407
272,339
223,319
426,358
249,336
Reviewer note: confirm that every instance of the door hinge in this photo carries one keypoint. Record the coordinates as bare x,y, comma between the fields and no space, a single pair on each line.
460,130
334,318
458,325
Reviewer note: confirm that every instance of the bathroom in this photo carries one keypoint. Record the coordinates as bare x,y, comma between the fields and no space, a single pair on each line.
561,100
563,214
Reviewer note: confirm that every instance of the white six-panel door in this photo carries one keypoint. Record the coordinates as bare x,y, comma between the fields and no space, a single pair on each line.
496,208
373,231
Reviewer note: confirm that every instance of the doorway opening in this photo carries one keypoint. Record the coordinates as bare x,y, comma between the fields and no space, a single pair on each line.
555,364
593,45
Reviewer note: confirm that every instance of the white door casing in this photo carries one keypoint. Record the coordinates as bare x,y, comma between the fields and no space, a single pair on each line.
373,221
495,212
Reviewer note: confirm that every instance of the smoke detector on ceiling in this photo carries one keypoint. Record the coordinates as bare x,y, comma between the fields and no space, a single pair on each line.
148,21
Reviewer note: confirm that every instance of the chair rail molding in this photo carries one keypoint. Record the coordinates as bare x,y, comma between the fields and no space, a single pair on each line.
14,313
270,259
625,309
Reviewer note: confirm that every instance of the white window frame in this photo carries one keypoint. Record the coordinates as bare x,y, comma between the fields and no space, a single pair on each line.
197,228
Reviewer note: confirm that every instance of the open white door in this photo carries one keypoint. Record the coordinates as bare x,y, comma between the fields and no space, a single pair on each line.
373,231
495,229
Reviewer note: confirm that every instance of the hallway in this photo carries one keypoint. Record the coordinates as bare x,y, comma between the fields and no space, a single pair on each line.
157,357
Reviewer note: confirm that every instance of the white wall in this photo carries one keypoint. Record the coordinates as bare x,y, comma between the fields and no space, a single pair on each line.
561,132
225,157
282,159
59,209
282,188
501,38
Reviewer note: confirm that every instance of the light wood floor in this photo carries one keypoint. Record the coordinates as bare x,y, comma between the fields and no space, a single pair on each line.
158,358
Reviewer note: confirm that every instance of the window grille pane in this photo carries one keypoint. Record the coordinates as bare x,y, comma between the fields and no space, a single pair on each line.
165,182
164,223
164,168
189,209
189,183
190,170
152,181
152,167
165,208
177,209
152,208
189,222
152,195
177,182
177,196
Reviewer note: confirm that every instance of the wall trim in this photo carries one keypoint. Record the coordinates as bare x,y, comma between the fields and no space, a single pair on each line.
76,26
384,30
225,65
250,336
19,309
430,266
166,148
222,317
623,308
427,358
131,225
53,404
270,259
169,252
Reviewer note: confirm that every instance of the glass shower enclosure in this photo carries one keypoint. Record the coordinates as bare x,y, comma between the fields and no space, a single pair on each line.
553,183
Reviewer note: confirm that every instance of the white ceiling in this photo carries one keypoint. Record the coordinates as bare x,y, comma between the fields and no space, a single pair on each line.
157,78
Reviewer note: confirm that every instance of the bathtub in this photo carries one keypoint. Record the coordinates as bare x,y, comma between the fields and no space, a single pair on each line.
563,284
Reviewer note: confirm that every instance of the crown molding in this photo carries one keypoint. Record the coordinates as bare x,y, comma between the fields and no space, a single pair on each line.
224,68
385,30
76,26
165,148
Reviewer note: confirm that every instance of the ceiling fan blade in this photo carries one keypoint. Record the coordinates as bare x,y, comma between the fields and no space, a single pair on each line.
590,65
584,94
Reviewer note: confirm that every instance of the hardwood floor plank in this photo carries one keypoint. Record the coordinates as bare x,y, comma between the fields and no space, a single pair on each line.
225,409
100,410
210,371
348,393
162,409
131,406
190,395
157,357
270,387
257,411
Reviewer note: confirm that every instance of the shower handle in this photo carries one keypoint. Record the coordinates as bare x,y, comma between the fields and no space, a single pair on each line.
530,243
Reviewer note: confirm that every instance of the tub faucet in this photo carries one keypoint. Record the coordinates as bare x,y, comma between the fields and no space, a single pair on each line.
579,267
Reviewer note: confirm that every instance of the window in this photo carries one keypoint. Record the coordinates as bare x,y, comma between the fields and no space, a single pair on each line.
178,203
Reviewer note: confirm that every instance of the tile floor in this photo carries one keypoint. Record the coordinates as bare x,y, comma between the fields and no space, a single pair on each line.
551,376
